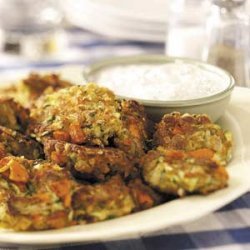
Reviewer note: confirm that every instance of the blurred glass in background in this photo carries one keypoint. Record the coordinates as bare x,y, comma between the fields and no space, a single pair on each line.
185,35
215,31
228,38
31,28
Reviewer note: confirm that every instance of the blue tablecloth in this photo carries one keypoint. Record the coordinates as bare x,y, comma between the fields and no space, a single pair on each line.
228,228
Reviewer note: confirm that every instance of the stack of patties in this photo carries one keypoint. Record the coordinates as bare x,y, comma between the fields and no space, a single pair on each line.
190,155
92,144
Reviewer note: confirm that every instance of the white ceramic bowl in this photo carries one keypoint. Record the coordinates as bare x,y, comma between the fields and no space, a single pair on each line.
213,105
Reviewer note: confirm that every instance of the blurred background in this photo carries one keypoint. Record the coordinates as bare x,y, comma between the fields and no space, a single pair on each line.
49,33
76,31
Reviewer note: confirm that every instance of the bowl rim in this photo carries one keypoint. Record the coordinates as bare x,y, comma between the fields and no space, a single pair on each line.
93,68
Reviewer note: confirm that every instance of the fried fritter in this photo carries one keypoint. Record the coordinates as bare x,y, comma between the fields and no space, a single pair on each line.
134,119
14,143
13,115
32,87
191,132
97,167
103,201
143,195
39,195
88,115
38,85
180,173
89,163
112,199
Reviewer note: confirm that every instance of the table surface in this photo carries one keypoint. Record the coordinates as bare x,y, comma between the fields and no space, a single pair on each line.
227,228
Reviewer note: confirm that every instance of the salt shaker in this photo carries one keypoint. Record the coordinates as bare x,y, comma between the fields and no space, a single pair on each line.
186,28
228,38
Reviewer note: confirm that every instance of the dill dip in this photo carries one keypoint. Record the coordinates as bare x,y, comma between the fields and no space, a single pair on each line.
161,82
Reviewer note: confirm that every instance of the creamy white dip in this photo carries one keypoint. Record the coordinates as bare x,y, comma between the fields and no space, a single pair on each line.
171,81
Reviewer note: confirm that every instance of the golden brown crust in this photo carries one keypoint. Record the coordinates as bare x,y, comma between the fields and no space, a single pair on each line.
134,119
144,196
89,115
180,173
39,194
80,115
13,115
31,88
191,132
104,201
41,84
89,163
14,143
173,129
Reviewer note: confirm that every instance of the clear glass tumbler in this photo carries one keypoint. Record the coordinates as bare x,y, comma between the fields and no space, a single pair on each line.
30,26
186,28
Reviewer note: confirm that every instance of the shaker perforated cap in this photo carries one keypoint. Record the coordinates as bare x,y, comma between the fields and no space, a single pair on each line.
229,3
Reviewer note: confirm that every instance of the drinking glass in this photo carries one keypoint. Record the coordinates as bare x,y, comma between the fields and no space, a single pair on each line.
30,27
